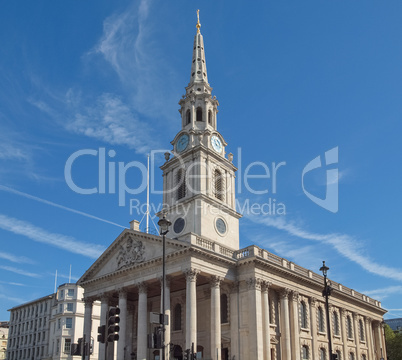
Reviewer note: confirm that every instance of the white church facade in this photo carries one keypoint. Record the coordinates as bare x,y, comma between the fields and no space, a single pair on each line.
227,302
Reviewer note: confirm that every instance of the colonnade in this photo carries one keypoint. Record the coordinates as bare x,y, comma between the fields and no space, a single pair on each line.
259,324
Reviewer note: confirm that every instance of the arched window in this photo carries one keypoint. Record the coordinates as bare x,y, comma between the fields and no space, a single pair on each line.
210,117
199,114
304,352
349,327
364,357
218,184
351,356
321,325
224,309
303,315
322,354
181,182
335,319
338,352
177,317
361,329
188,117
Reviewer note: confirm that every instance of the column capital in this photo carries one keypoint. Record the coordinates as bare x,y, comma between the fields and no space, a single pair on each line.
105,297
234,287
215,281
343,312
295,296
254,283
88,301
313,302
368,320
191,274
167,281
142,288
265,285
284,293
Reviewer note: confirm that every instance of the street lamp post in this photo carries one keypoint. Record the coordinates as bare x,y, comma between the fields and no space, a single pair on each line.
164,229
327,292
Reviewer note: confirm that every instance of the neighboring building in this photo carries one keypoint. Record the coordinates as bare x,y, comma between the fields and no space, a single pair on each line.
29,329
227,302
395,324
4,328
45,328
67,323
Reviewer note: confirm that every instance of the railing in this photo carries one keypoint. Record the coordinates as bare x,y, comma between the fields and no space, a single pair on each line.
255,251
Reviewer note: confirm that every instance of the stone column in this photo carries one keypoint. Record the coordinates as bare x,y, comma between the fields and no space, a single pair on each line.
368,339
167,313
313,327
191,308
266,321
87,320
357,337
285,325
103,318
256,350
215,318
121,344
142,325
344,333
378,340
295,326
234,320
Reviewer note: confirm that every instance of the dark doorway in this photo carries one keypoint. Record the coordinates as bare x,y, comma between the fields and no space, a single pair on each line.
225,354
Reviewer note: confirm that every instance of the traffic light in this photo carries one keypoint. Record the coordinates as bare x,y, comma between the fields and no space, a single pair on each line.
113,327
101,334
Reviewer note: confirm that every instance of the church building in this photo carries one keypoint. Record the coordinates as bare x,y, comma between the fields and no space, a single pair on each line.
224,301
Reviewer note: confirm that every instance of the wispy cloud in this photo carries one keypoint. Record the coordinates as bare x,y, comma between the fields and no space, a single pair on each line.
112,121
346,245
12,299
11,283
384,292
28,196
64,242
19,271
16,259
128,45
12,151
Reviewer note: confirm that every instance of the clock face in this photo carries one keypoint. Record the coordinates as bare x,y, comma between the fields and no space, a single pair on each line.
216,144
182,143
178,225
221,226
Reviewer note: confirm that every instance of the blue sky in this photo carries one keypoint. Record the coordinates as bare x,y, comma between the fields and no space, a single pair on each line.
294,79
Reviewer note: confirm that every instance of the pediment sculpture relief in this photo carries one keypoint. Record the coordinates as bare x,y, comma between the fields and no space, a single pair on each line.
130,254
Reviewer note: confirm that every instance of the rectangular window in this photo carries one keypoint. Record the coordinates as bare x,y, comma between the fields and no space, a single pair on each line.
61,294
57,346
70,292
67,346
60,308
70,306
69,323
58,324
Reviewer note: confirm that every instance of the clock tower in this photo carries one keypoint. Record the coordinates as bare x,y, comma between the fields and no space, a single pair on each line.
199,181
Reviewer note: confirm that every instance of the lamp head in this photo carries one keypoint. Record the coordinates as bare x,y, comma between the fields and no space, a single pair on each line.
164,225
324,269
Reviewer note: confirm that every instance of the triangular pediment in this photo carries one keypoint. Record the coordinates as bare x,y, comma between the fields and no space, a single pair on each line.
130,249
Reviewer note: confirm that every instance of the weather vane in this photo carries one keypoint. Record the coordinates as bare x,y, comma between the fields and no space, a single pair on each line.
198,21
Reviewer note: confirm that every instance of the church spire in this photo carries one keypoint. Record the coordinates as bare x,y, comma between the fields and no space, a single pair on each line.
198,66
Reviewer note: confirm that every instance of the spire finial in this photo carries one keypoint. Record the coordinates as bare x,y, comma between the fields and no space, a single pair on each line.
198,21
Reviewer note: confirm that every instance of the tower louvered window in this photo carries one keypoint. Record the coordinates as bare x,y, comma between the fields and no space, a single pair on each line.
210,117
199,114
218,185
349,327
188,117
181,183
